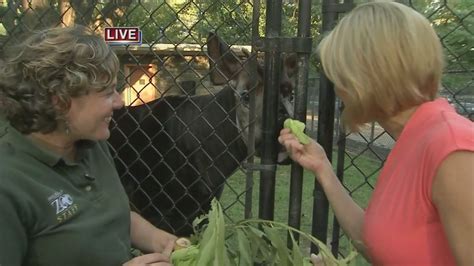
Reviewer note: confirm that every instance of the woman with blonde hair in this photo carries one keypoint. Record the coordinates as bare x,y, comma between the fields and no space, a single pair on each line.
386,61
61,199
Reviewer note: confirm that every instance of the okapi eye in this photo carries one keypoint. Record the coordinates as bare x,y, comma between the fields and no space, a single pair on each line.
245,97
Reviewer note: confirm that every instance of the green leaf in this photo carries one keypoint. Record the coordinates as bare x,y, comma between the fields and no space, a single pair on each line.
260,248
212,245
280,245
245,253
297,128
297,256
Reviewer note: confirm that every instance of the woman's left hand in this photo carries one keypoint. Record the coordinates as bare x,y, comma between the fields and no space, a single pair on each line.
149,239
163,242
155,259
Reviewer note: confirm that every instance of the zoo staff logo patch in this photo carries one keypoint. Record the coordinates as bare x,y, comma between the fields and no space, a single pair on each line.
63,205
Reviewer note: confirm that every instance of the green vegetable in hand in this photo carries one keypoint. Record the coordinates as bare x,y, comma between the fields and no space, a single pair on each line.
185,256
297,128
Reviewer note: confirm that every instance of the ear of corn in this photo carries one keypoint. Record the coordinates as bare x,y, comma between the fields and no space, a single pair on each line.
246,243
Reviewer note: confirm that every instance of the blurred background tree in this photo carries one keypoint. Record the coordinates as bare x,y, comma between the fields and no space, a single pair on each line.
186,21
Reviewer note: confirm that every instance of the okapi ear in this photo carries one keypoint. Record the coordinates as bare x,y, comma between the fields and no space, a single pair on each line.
291,64
223,63
289,69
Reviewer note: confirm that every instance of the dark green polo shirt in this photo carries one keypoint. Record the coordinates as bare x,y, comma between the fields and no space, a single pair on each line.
54,212
3,122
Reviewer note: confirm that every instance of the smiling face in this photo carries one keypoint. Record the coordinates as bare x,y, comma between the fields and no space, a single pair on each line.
89,115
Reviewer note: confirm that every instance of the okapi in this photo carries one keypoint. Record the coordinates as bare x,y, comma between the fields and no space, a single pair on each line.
174,154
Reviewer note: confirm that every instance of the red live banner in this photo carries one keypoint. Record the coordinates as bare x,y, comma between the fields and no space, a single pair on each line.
123,35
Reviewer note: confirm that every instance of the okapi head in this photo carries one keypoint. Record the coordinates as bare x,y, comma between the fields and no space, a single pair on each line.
228,68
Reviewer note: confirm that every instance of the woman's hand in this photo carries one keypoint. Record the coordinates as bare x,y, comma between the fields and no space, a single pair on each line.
163,242
310,156
153,259
149,239
161,255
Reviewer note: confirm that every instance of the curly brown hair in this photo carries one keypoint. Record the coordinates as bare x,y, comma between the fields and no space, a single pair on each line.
62,62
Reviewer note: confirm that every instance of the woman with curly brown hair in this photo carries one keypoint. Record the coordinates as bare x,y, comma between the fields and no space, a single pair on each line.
386,61
61,198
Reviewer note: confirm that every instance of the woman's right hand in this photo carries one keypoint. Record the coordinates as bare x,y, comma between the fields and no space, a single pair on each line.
310,156
152,259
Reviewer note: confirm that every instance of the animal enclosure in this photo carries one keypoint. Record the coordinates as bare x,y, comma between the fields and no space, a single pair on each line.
174,68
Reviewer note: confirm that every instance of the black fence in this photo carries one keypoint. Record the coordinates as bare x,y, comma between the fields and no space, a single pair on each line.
209,128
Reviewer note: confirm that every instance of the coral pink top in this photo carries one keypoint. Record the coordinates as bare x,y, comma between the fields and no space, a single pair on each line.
402,225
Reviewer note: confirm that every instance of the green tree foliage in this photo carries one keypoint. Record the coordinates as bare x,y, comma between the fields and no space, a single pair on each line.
19,17
178,21
453,20
189,21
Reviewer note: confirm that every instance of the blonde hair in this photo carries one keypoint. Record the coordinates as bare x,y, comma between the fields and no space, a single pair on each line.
63,62
383,57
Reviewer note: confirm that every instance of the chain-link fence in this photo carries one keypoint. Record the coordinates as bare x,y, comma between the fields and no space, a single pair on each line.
185,145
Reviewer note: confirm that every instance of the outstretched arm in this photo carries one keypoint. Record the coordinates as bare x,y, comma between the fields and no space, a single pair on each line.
313,157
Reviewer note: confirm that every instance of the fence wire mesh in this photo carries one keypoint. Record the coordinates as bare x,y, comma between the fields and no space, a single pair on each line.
172,65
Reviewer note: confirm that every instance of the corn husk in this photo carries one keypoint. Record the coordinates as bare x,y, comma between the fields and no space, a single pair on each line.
248,242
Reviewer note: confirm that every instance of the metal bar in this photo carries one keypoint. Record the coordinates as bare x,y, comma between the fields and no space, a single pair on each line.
287,45
341,148
327,99
301,95
260,167
270,111
249,182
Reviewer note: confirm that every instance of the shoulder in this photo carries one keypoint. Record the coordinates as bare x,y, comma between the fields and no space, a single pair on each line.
436,126
13,180
11,163
449,133
440,134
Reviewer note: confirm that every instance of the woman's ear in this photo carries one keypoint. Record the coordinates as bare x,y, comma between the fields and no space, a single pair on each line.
61,105
55,100
57,103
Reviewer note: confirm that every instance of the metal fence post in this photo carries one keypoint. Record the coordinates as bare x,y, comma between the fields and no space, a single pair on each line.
270,111
301,95
327,100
